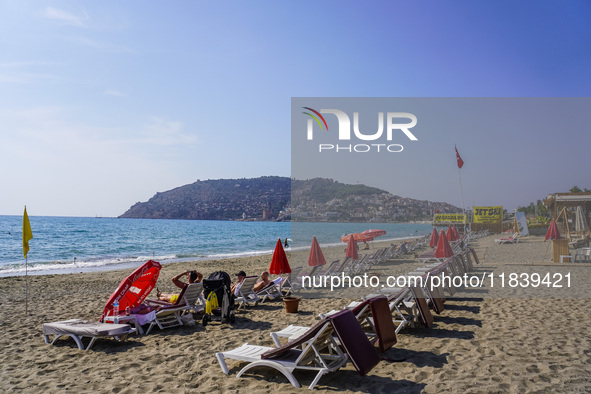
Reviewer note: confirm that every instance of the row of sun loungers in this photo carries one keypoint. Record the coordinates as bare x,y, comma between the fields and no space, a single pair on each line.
339,336
247,296
164,314
325,347
405,306
352,266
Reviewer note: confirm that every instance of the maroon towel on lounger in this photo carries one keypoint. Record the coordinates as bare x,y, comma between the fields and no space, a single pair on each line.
354,341
424,312
383,323
438,298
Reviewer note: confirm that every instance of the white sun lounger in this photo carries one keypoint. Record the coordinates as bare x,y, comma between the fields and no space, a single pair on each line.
508,240
316,351
271,291
169,315
78,329
288,358
361,312
290,283
246,293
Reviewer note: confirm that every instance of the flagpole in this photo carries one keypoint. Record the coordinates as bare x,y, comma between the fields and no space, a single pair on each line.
460,163
27,236
462,195
26,286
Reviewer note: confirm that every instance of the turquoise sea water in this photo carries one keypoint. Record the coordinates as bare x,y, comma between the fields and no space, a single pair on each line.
78,244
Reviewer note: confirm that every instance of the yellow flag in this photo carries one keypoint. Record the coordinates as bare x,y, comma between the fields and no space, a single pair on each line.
27,233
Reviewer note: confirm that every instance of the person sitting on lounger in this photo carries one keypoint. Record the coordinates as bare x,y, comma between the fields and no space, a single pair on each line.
192,276
264,282
236,286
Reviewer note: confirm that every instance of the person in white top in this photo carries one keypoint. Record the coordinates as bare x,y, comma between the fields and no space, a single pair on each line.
236,286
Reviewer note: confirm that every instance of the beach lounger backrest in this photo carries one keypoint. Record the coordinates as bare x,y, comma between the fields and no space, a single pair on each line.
340,267
398,295
388,252
402,249
361,307
289,282
181,298
189,295
427,288
453,267
271,290
468,260
330,268
436,296
383,323
355,266
192,294
353,339
291,276
314,271
247,286
460,263
424,312
312,340
475,255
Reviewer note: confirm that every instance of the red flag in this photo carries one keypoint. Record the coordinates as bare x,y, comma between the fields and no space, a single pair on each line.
459,159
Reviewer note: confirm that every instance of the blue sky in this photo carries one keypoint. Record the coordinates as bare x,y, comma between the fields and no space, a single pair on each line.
102,104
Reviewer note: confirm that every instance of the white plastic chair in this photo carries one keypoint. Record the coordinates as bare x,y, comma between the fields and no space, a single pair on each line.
584,254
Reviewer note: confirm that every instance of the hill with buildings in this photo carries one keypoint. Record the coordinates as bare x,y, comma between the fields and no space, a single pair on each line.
270,198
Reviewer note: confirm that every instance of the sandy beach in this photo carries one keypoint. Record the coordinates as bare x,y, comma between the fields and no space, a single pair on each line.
485,341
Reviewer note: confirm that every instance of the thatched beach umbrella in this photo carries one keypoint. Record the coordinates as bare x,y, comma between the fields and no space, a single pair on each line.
581,225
